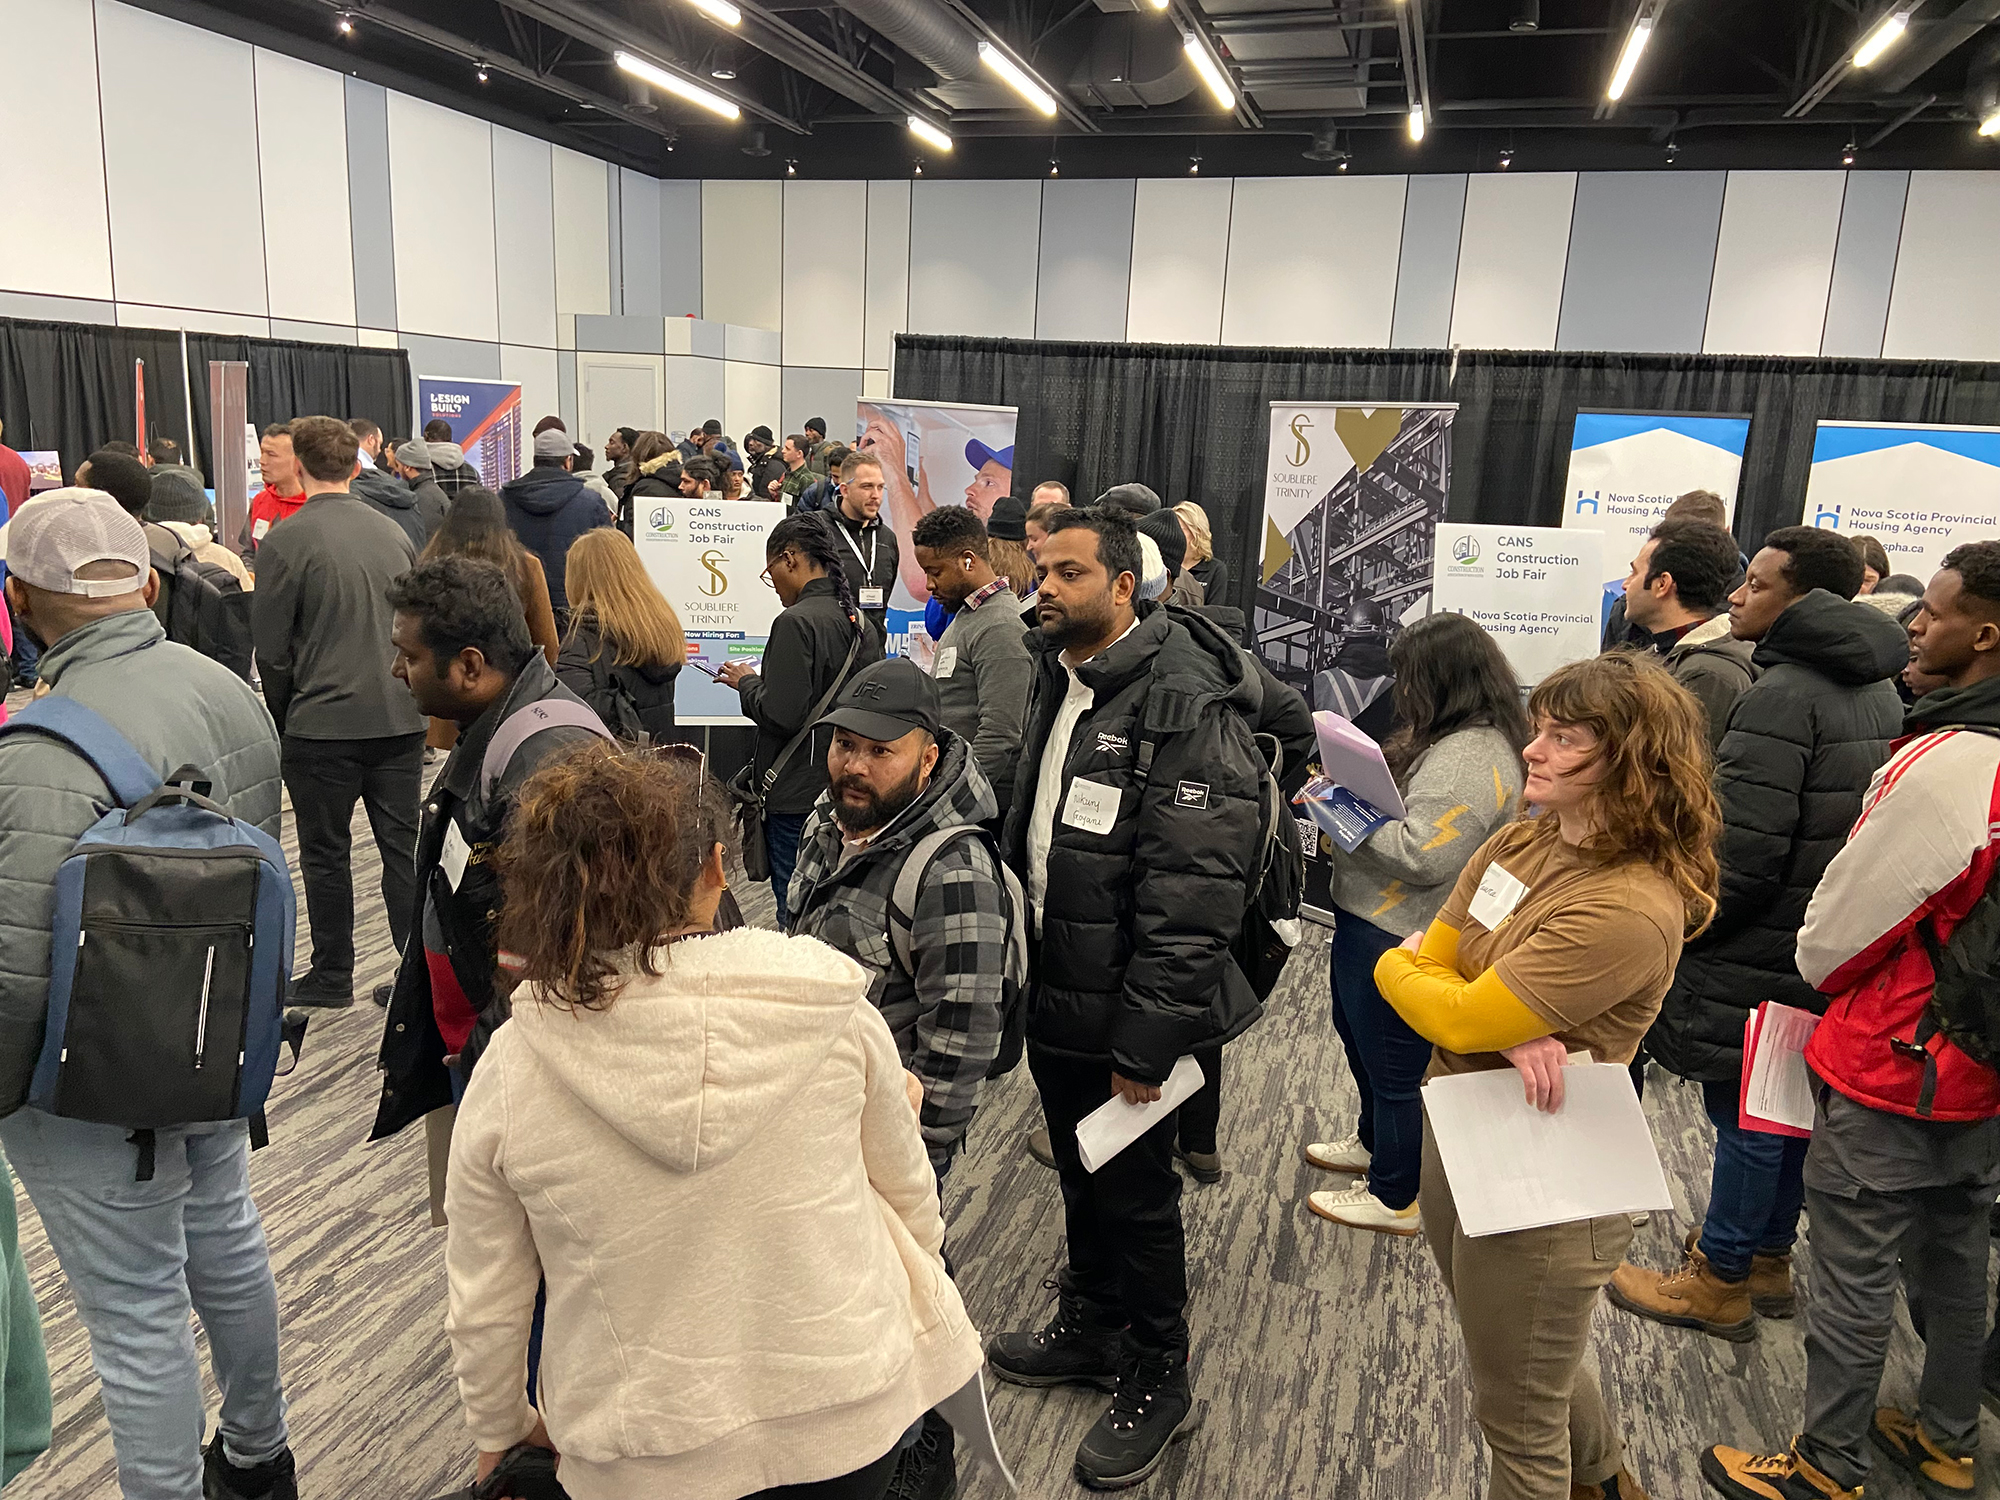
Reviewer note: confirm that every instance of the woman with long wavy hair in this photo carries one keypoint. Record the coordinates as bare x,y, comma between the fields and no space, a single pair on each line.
1561,936
625,647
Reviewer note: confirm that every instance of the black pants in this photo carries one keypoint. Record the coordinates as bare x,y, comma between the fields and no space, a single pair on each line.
870,1483
1202,1110
1127,1251
326,778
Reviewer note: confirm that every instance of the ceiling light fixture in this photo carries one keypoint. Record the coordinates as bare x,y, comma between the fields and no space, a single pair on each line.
919,171
344,23
1628,60
1055,167
1017,78
480,73
928,133
1209,69
719,10
679,87
791,166
722,73
1882,38
1673,150
1341,165
1416,122
1506,158
1158,4
1194,166
1847,153
1990,126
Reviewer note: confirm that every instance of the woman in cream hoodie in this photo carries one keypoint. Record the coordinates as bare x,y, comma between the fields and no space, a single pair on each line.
704,1145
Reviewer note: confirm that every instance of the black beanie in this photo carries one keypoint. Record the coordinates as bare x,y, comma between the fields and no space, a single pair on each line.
1164,527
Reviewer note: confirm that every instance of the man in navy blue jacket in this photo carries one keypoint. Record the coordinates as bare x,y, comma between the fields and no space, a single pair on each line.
549,507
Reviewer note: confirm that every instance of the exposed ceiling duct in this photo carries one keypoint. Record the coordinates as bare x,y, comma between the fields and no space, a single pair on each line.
1133,63
924,30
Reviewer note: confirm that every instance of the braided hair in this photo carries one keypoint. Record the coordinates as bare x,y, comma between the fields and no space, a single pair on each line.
811,535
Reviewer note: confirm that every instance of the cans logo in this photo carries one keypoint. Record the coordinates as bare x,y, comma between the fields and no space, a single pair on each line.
1465,550
662,519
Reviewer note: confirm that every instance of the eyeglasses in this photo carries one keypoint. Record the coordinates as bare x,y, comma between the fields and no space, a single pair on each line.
765,576
692,755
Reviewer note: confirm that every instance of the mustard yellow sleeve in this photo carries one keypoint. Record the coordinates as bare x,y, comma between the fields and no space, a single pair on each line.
1442,1006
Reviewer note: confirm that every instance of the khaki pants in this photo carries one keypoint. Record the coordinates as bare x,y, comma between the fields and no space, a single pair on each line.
1524,1304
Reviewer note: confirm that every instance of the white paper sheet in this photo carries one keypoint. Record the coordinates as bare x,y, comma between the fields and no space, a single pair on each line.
966,1410
1513,1167
1114,1124
1352,760
1780,1087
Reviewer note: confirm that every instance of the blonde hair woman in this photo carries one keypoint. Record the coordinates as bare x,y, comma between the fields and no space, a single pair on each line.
625,646
1612,867
1210,571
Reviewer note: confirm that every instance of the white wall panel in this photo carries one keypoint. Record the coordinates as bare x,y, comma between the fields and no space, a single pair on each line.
583,240
1511,252
1180,258
193,319
887,312
524,239
1945,303
1312,261
742,252
180,163
1773,263
541,390
302,151
639,242
441,192
1085,277
750,397
826,274
52,162
973,249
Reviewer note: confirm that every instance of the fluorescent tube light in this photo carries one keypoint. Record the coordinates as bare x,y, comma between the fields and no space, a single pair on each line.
1017,79
1209,69
1416,122
660,78
1642,32
719,10
1881,39
1991,124
1157,4
928,133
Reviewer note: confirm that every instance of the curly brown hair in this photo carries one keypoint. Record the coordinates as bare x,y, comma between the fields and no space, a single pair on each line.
1656,801
603,854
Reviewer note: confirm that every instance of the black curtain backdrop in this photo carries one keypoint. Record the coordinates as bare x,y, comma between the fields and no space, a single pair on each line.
69,386
1193,421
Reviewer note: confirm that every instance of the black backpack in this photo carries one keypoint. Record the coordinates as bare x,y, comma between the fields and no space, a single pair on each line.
201,604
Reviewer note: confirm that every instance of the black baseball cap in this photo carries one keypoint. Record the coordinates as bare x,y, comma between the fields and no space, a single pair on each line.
887,700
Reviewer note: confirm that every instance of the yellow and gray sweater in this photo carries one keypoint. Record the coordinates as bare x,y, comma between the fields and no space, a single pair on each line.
1459,791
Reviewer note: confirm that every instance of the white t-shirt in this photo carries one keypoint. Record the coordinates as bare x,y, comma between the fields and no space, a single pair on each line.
1077,702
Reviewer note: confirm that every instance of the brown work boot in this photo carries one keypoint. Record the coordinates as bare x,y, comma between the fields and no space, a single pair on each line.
1937,1472
1771,1294
1620,1486
1691,1297
1769,1476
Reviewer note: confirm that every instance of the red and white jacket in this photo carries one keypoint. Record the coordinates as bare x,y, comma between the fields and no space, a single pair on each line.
1924,848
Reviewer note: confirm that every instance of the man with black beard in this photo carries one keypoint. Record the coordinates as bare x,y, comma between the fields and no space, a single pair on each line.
895,842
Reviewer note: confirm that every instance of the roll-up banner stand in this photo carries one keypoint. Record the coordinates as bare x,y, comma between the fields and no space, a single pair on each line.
1533,588
707,557
1919,490
1353,495
933,453
1627,467
485,421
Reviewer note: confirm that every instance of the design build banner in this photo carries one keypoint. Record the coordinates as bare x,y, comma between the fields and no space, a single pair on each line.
933,453
707,557
485,418
1534,589
1919,490
1626,468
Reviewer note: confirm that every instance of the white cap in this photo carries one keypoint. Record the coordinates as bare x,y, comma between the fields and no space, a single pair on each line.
65,531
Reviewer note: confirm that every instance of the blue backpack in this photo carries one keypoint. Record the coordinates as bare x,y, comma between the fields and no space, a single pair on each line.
170,953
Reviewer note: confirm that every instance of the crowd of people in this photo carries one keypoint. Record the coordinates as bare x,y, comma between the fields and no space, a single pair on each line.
1060,839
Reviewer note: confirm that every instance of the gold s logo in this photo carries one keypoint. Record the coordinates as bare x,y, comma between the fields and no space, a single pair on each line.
718,581
1301,449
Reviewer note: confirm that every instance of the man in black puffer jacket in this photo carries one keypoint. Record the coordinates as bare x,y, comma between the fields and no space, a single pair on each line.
1136,841
1801,745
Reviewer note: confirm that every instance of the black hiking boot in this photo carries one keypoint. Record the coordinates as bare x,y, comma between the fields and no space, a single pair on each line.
1153,1409
928,1469
1079,1346
273,1479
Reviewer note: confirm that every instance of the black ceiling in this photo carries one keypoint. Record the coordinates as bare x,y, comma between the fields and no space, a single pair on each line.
825,88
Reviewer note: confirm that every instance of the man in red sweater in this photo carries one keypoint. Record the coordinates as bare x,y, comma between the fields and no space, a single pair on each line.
1905,1154
282,494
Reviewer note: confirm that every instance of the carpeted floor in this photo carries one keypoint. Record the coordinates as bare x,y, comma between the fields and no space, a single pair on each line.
1329,1358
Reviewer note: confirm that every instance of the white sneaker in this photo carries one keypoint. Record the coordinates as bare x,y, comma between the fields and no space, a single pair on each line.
1347,1155
1363,1210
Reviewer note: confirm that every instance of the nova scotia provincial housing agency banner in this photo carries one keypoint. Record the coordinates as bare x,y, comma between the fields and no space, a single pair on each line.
707,557
1917,489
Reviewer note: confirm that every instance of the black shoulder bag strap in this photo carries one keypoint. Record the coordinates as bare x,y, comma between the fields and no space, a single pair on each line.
819,709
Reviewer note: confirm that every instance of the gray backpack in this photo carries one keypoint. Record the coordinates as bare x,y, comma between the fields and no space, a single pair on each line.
903,915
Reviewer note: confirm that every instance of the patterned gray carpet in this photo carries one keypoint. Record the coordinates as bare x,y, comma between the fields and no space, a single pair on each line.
1329,1358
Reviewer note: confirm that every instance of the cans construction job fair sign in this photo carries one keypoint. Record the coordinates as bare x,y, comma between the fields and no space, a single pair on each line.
1534,588
707,557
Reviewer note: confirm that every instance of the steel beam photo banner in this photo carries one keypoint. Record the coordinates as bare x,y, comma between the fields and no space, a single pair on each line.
1917,489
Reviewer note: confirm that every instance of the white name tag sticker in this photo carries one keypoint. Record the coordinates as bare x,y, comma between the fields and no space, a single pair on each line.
1091,806
1499,893
947,661
257,531
871,598
456,853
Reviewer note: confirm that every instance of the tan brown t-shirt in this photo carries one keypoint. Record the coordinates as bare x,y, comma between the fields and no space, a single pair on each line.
1590,948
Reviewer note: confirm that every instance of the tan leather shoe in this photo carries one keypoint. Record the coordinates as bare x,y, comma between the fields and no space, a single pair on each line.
1938,1473
1770,1281
1769,1476
1691,1297
1620,1486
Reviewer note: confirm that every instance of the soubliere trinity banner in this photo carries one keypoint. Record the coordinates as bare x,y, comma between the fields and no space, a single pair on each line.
1919,490
707,557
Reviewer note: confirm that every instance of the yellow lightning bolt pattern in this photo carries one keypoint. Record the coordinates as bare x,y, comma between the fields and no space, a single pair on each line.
1499,791
1445,832
1392,895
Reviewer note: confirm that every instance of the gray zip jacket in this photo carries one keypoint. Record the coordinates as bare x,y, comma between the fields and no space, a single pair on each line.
984,695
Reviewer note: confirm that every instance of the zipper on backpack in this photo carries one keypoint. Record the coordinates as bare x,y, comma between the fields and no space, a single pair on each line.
201,1019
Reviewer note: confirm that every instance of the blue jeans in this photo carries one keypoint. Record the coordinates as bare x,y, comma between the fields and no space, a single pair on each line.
137,1255
1757,1191
781,842
1387,1059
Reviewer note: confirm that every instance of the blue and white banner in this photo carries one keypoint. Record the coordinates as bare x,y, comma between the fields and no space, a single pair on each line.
1626,468
485,421
1917,489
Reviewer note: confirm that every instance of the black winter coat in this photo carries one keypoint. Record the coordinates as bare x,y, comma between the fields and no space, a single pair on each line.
808,642
870,557
548,508
1802,743
396,500
1282,711
1134,964
650,687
